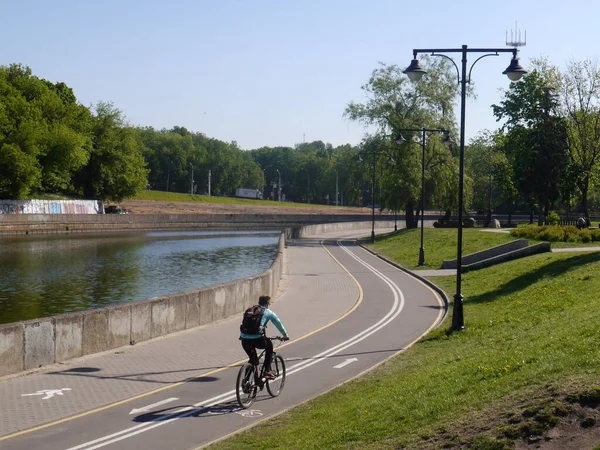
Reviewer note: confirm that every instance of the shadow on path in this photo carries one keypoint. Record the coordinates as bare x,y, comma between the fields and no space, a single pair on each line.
91,372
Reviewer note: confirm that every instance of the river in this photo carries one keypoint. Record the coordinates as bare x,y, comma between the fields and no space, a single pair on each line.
46,275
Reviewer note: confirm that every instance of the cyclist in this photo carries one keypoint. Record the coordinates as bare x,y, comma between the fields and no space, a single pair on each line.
250,342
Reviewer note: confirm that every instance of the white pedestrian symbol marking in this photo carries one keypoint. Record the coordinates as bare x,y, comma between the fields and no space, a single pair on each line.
47,393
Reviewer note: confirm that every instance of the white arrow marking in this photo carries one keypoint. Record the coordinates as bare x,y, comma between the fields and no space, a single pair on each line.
153,405
345,363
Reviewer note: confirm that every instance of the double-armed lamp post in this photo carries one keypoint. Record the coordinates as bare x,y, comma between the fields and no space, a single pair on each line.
372,196
359,159
279,184
414,71
423,136
264,178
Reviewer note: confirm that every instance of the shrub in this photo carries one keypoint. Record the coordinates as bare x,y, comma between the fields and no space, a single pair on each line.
585,235
553,218
528,231
556,233
570,229
552,234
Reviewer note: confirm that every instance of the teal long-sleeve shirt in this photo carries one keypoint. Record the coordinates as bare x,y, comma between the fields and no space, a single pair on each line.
268,315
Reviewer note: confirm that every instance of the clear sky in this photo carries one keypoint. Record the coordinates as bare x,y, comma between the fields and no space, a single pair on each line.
269,73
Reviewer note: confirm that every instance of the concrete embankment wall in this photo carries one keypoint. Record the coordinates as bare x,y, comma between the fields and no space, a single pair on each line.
326,227
36,343
74,223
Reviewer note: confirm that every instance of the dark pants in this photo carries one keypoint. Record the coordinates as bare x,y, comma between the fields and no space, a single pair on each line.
250,346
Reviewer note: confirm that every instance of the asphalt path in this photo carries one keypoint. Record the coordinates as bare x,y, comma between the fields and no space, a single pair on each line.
393,309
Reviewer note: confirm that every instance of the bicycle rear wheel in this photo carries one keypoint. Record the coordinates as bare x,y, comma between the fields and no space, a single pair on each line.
274,387
245,386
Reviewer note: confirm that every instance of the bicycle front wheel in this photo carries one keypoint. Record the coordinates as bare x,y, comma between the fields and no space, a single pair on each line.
274,387
245,386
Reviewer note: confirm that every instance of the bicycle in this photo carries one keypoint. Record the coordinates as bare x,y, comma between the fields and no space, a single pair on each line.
250,378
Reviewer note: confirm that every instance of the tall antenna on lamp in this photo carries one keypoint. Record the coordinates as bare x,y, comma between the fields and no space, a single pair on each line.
515,38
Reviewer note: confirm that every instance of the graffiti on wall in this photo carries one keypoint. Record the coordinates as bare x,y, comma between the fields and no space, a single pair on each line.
51,207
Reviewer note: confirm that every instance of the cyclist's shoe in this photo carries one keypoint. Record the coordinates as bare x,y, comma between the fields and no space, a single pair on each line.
270,375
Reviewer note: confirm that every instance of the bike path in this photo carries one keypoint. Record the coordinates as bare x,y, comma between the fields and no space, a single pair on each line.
396,310
312,281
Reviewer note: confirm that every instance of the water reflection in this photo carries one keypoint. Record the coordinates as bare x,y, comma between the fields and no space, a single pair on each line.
48,275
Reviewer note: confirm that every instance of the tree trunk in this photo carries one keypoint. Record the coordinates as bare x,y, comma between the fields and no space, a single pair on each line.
531,212
411,219
542,213
488,218
584,204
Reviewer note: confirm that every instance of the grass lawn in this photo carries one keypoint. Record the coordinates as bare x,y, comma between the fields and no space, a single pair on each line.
439,245
528,359
179,197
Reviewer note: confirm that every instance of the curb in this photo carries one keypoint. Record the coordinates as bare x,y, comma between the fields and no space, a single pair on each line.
425,281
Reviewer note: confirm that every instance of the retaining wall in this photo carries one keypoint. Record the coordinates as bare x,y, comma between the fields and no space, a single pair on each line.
509,256
14,207
487,253
326,227
69,223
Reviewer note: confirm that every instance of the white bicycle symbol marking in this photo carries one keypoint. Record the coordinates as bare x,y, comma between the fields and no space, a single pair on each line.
250,413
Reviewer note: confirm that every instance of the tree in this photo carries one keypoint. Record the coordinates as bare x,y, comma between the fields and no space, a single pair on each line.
581,103
20,171
536,137
116,169
44,134
480,156
394,103
66,141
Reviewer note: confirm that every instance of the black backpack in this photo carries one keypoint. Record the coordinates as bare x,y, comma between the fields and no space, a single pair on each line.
251,320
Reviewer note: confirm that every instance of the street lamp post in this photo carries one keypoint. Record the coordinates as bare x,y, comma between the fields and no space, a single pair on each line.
337,192
169,175
372,195
263,179
423,131
307,185
308,188
373,199
192,180
279,185
414,71
489,215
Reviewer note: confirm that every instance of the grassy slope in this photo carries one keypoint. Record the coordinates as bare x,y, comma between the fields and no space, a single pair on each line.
439,245
528,356
178,197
